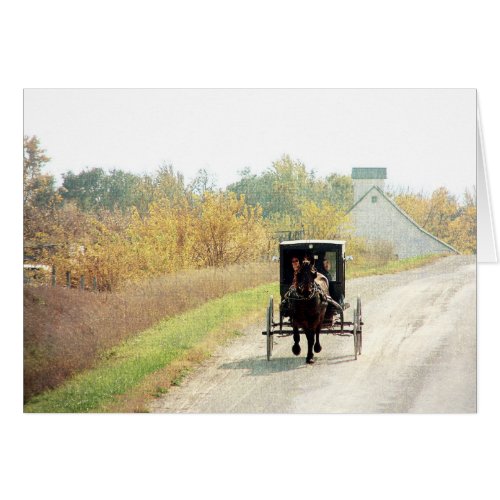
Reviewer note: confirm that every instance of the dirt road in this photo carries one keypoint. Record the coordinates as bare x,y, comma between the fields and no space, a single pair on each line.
419,356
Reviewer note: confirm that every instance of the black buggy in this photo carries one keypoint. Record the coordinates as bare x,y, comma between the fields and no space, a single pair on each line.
329,259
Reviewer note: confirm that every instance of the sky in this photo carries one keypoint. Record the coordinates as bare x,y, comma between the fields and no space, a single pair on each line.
426,138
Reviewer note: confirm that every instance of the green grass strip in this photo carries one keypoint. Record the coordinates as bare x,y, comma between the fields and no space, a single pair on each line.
129,363
393,266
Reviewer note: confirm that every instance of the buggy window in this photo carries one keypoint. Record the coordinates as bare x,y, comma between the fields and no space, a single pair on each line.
288,268
328,265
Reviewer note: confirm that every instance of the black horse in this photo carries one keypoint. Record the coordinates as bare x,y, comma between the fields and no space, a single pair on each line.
309,306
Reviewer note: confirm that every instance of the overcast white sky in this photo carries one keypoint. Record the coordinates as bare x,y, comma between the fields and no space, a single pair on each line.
425,138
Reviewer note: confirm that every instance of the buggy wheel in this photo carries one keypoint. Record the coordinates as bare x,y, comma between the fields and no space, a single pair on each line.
359,332
269,325
355,332
271,305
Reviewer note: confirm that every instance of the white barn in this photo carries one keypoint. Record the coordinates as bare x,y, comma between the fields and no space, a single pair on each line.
376,218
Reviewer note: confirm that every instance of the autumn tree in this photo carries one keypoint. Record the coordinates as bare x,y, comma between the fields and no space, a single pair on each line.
323,221
169,185
227,230
291,184
162,240
463,229
40,199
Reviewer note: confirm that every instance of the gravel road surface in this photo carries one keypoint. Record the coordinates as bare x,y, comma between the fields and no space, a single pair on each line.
419,355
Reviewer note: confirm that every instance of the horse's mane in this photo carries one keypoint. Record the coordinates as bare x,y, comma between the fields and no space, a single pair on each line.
320,279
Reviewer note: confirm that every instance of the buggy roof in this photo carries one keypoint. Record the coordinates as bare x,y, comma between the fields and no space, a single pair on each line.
317,242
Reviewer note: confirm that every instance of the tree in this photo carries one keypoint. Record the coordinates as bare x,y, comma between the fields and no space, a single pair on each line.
144,194
339,191
39,196
169,184
227,230
279,190
94,189
203,182
323,221
257,190
87,189
283,187
34,160
463,228
162,240
121,188
443,209
291,185
416,205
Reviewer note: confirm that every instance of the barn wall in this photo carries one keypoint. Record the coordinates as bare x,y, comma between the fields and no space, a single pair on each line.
382,221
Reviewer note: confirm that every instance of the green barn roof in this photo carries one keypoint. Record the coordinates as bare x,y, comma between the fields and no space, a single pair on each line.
369,173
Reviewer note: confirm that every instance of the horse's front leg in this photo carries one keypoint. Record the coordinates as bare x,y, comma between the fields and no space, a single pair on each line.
317,345
310,343
296,341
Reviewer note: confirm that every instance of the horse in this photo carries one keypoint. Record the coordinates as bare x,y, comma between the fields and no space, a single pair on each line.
309,307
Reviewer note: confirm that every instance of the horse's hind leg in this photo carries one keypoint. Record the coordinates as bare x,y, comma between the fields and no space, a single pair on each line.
317,345
296,340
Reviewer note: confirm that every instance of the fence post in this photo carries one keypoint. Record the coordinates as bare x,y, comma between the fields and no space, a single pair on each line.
94,283
82,282
68,279
53,275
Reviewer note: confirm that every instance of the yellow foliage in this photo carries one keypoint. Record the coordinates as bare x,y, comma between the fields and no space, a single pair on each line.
160,242
463,230
443,216
415,205
324,221
357,248
215,230
227,231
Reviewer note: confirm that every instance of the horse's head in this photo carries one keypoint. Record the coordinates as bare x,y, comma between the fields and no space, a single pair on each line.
305,278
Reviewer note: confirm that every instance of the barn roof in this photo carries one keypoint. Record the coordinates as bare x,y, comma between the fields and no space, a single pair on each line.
404,214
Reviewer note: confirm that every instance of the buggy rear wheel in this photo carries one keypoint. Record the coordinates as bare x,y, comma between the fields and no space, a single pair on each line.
359,331
269,326
355,332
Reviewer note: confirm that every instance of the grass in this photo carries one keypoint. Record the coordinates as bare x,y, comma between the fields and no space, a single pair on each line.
390,267
132,362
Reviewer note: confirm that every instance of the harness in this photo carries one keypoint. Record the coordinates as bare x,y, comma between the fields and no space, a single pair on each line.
293,294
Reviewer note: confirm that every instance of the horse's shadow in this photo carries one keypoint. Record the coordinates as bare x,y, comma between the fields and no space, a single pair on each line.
258,365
